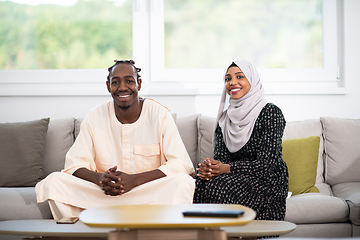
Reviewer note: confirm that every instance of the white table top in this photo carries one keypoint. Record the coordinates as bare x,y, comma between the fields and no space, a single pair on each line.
162,216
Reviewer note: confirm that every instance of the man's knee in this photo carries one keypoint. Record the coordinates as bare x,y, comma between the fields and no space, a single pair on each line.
55,180
55,177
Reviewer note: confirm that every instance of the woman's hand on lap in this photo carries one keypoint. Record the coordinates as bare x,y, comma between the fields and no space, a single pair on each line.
210,168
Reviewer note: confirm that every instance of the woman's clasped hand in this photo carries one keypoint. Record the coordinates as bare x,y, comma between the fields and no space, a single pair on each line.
210,168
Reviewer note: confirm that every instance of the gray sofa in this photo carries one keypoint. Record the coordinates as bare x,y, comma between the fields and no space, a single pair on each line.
334,212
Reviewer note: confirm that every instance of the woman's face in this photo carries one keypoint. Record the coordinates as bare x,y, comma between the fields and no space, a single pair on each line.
236,84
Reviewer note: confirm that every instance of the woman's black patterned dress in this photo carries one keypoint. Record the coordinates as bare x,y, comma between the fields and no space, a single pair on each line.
258,175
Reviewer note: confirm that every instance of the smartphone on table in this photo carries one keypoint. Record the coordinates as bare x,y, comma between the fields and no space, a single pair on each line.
223,213
68,220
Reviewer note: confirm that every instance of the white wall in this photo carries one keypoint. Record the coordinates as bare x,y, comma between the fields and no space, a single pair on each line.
294,107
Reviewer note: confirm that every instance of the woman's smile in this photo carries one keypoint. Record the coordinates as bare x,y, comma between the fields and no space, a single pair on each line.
235,90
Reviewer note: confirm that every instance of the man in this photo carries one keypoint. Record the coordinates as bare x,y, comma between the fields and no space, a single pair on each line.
128,152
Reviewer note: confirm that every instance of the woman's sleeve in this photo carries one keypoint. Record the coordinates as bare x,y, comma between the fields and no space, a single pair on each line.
221,153
268,147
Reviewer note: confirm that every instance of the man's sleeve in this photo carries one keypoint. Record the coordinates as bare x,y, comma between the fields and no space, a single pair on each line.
177,159
82,153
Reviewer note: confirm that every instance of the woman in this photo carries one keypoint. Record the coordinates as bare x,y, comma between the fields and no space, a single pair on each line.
248,168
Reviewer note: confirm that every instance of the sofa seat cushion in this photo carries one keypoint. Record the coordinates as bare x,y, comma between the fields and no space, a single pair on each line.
351,193
20,203
342,155
316,208
59,139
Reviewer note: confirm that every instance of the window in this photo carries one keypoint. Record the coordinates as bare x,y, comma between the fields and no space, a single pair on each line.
291,43
274,34
179,44
79,34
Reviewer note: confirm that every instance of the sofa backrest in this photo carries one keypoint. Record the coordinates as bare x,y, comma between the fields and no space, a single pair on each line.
342,149
196,132
187,127
59,139
206,128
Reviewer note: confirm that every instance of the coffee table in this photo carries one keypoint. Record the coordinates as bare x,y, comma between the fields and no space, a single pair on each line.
48,229
40,228
163,221
80,231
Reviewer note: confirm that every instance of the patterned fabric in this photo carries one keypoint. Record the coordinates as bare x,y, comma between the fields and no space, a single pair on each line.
258,175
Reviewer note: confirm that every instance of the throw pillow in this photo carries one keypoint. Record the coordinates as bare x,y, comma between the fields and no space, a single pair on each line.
21,152
301,157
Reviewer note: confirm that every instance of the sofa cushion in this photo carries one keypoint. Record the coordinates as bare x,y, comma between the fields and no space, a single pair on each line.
59,139
342,155
188,132
324,188
22,149
301,157
20,203
78,122
351,193
206,127
310,208
307,128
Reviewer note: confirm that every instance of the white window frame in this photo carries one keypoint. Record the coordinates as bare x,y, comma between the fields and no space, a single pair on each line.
277,81
148,52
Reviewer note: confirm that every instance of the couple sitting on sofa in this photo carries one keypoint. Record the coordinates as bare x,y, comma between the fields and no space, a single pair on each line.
130,152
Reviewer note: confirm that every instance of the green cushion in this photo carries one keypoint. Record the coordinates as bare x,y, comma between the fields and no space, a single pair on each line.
301,157
21,152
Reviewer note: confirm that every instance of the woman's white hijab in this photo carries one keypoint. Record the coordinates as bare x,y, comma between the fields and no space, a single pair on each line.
237,117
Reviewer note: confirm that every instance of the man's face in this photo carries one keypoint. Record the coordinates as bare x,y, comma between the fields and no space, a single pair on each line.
123,85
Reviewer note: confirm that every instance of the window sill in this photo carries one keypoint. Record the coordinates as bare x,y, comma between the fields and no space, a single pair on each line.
53,88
